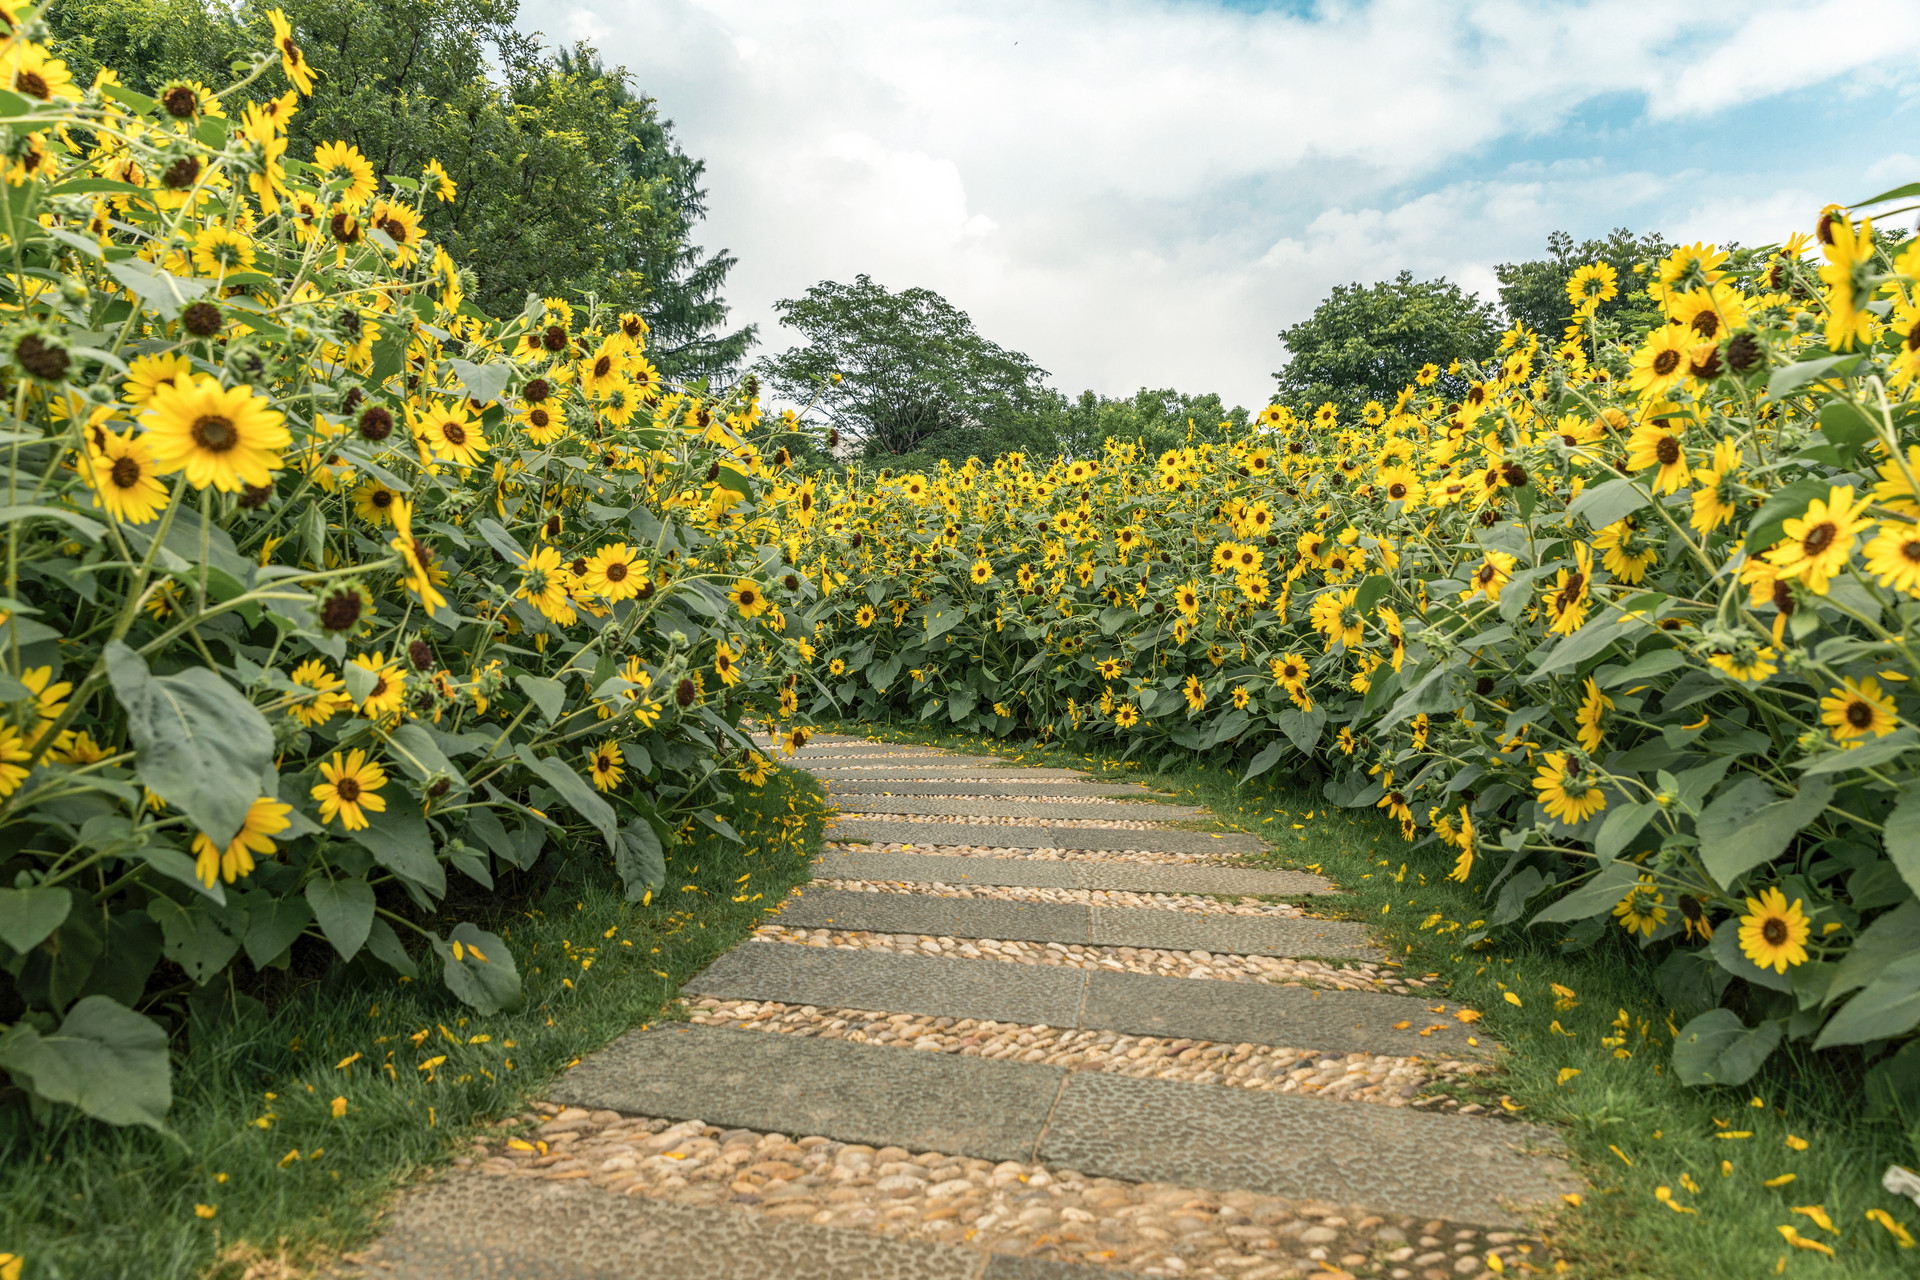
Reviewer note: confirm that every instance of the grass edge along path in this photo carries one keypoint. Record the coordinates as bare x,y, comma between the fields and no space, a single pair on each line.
296,1126
1777,1177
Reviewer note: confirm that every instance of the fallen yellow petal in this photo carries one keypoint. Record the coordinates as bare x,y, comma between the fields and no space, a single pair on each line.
1798,1144
1401,1026
1780,1181
339,1107
204,1211
1799,1241
1513,999
1567,1073
346,1062
1623,1155
1467,1015
1886,1220
1817,1214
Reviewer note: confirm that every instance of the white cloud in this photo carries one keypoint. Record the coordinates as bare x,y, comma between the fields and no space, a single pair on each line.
1146,191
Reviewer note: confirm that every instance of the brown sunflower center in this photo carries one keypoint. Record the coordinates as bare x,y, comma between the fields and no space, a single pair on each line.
453,433
1859,715
1665,363
1706,324
1667,451
395,229
1774,931
33,84
348,789
180,102
381,498
1910,551
1819,538
214,432
603,366
126,473
617,571
539,418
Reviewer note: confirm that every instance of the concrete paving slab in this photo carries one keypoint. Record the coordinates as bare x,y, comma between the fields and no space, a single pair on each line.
1390,1159
967,807
940,917
1008,1266
850,1092
1070,922
996,772
1221,934
471,1227
1038,837
1145,1004
852,786
831,978
1049,873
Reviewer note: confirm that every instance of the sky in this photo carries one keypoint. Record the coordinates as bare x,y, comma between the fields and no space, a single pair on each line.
1145,192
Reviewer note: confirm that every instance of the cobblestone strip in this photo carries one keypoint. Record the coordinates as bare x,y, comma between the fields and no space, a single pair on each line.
1278,970
1037,855
1023,1209
1192,902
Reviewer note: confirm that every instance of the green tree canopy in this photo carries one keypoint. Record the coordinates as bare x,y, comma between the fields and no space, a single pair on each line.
1366,342
915,377
1160,419
570,181
1534,292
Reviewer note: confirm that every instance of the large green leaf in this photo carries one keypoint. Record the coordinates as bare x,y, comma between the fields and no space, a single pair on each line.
200,746
576,792
1602,893
399,840
1303,728
194,940
344,910
27,916
1903,838
1728,955
1747,824
105,1059
1602,504
1887,1007
1718,1048
272,925
640,860
478,968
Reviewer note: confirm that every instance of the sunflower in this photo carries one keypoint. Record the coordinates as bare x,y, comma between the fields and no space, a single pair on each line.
1819,542
544,580
351,789
1661,362
1196,694
1709,314
1893,556
614,572
399,224
1642,910
1592,285
1187,600
451,435
27,68
619,402
328,696
440,181
1562,793
544,424
1224,557
794,739
603,766
221,251
726,664
1493,572
1461,837
121,474
603,368
389,687
982,571
1567,597
1747,662
417,559
1714,494
265,819
864,616
1895,490
1848,275
1628,551
342,164
146,374
225,437
1241,697
837,667
1592,709
1656,444
1400,484
1854,710
374,503
749,599
1126,715
292,61
1772,934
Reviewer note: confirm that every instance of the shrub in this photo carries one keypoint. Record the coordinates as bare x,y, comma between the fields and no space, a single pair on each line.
319,584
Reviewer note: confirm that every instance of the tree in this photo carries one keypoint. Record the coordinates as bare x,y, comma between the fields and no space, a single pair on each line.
1160,420
570,183
1366,342
905,375
1534,293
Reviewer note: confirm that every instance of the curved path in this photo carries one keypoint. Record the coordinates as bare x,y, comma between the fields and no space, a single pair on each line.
1020,1027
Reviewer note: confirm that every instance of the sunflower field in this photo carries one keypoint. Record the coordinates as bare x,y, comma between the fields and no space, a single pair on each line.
1628,627
321,587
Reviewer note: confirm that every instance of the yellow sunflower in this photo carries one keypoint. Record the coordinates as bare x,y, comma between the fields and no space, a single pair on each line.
451,434
374,502
1593,708
121,474
1772,934
342,165
226,437
265,819
1657,444
1853,710
292,61
351,790
1819,541
1493,572
389,686
749,599
1893,557
1563,794
1641,911
604,766
1593,284
614,572
1661,362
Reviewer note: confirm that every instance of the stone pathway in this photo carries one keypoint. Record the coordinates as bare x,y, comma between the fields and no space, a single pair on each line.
1021,1027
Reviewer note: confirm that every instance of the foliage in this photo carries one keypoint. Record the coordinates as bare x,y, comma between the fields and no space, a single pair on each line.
573,184
1364,343
321,586
1534,293
1157,419
1626,627
899,373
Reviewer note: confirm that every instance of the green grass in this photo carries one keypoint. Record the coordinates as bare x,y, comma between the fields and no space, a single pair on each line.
79,1199
1628,1127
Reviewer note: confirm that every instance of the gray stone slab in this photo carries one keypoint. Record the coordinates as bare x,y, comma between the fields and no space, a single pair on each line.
997,772
1145,1004
1036,837
471,1227
832,978
1222,934
851,1092
1049,873
1390,1159
941,917
967,807
1012,1266
850,785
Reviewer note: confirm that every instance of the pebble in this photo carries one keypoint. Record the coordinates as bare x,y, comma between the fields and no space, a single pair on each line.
1193,902
1279,970
1027,1209
1354,1077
